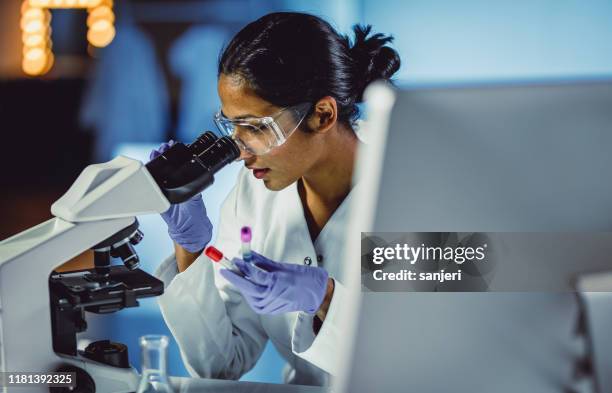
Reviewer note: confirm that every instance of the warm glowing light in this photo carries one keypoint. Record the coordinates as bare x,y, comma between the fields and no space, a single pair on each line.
32,40
25,6
39,3
33,13
32,68
103,12
34,61
64,3
34,54
35,20
34,26
37,41
101,33
36,29
50,62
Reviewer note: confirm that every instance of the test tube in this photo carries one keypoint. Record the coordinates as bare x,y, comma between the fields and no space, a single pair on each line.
217,256
245,248
245,238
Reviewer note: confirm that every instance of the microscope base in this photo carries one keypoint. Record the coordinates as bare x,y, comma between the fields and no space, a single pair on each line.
107,379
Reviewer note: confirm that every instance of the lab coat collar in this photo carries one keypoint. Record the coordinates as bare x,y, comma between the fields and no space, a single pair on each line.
296,208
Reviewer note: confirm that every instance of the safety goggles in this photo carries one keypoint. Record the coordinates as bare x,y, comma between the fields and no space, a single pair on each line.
259,135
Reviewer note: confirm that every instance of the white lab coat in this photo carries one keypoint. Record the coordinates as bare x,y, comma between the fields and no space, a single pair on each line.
219,335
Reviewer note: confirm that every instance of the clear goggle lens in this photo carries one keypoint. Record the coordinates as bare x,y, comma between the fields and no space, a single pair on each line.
259,135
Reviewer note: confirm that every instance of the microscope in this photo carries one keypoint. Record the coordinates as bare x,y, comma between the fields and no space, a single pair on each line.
42,310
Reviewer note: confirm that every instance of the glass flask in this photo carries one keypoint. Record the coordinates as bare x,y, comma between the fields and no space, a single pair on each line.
154,377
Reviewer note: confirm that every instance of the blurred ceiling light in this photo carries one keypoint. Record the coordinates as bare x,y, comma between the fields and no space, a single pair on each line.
36,29
101,33
50,61
39,3
100,22
44,44
34,13
102,12
35,61
34,26
64,3
32,40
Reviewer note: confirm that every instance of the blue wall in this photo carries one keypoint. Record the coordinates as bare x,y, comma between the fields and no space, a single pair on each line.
450,41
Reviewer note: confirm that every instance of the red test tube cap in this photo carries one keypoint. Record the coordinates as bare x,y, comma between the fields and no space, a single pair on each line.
213,253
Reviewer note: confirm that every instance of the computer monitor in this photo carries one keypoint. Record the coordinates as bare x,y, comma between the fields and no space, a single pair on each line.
496,158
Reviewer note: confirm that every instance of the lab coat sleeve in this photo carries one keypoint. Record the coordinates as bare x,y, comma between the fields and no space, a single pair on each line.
218,334
322,349
167,270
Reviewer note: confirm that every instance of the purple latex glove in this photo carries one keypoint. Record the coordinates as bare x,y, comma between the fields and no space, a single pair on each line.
188,224
282,288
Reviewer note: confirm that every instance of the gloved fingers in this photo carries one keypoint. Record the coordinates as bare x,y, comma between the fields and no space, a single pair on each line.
195,210
253,301
272,299
255,308
265,263
183,212
154,154
168,214
161,149
259,302
244,286
278,306
186,224
273,293
241,266
281,309
255,275
245,269
189,226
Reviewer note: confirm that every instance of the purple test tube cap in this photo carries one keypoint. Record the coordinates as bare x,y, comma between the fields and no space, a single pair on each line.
245,234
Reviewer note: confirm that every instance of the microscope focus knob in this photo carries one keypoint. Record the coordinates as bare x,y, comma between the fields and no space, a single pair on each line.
136,237
108,352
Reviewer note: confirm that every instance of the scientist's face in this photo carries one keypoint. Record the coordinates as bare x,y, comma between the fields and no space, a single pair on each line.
284,164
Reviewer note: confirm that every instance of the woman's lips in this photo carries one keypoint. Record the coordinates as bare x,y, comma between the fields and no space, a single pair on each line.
260,173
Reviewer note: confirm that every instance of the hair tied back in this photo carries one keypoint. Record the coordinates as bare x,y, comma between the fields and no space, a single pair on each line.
372,57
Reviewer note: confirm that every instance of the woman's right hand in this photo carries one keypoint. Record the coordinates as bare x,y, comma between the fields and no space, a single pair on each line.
188,224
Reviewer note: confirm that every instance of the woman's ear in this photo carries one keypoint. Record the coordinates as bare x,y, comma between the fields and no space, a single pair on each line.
324,115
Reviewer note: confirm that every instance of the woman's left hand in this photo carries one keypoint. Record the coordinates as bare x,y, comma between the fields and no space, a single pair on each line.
280,287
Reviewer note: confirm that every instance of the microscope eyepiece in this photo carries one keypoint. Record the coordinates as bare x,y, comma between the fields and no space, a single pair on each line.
203,142
221,153
186,170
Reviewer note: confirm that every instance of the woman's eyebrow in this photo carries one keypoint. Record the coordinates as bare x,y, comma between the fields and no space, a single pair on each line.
237,117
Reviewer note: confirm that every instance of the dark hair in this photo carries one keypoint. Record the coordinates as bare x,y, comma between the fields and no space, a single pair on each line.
288,58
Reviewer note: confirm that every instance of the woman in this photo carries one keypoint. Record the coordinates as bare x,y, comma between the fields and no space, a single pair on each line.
289,85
